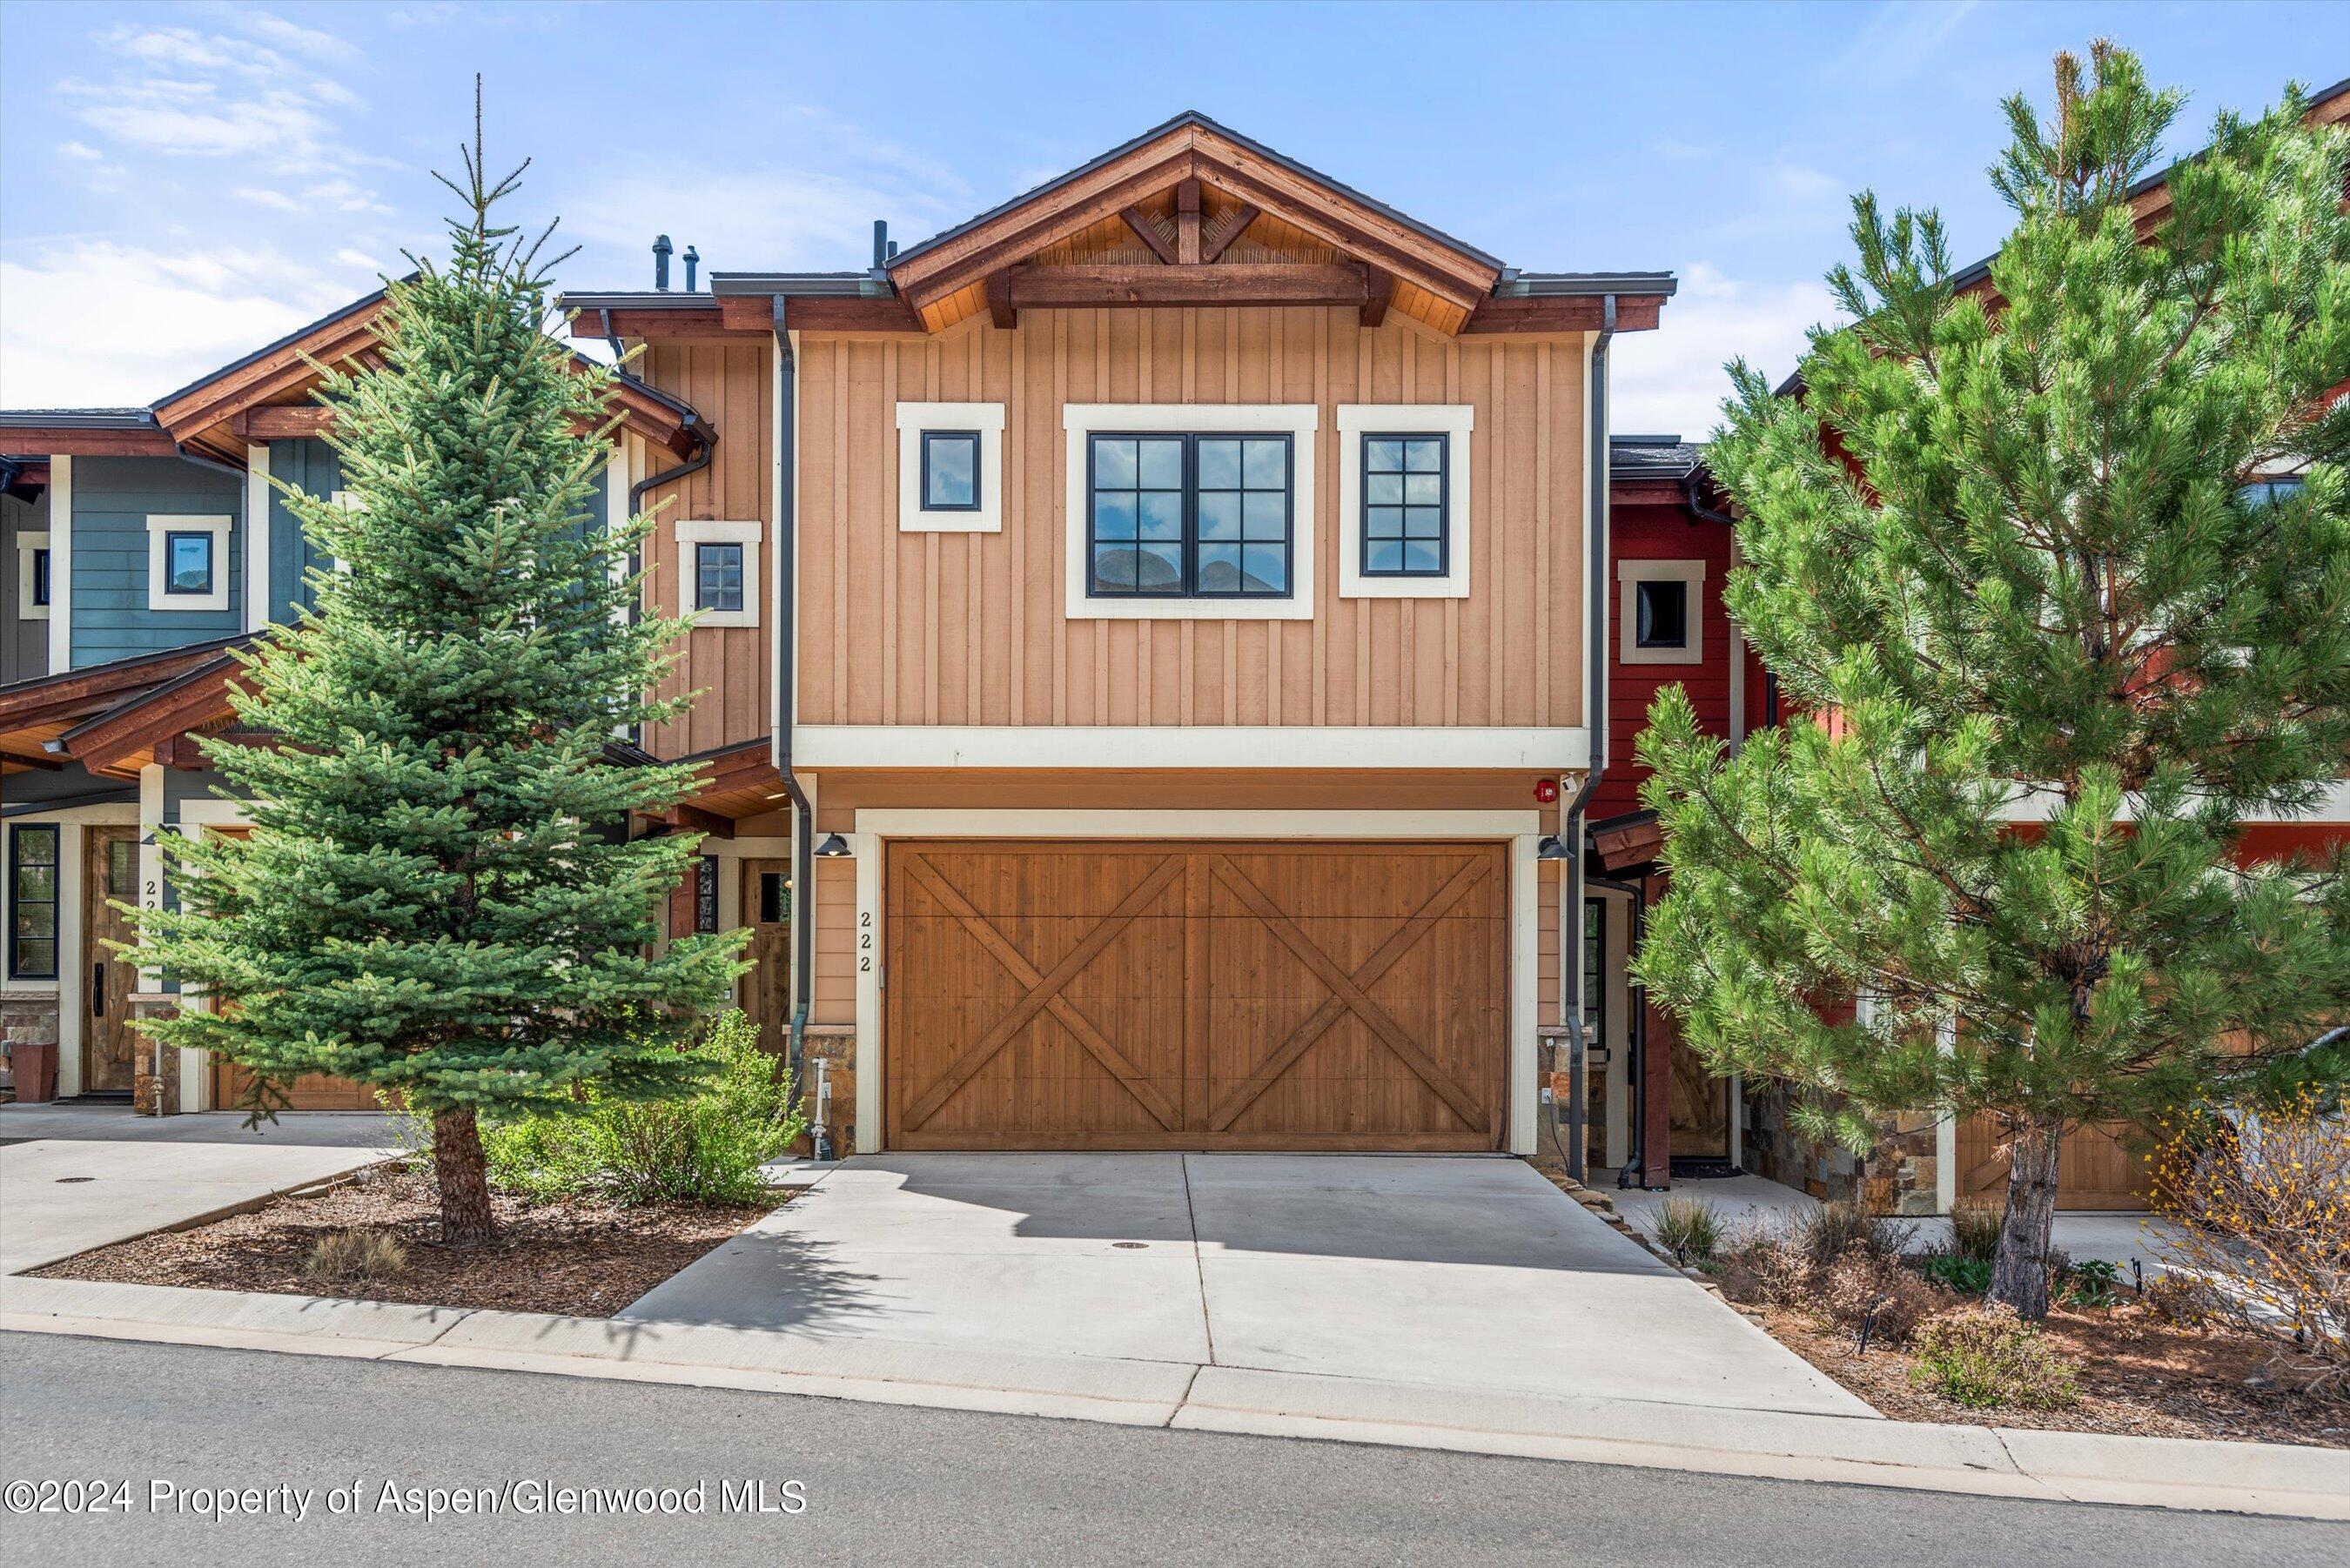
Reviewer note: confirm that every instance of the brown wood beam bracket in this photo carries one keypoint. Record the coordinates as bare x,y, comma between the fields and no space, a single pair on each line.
1000,309
281,423
1249,283
1187,221
1220,234
1382,293
1153,230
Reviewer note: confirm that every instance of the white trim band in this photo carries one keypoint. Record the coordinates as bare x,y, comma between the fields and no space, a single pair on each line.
1549,751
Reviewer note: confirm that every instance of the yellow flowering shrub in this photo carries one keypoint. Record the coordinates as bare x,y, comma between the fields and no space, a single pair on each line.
2264,1212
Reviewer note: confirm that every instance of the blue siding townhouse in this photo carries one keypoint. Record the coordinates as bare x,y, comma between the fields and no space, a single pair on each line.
139,549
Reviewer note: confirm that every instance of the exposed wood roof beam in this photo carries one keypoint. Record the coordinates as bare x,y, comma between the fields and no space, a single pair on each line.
276,423
1322,283
1218,235
1000,309
1153,230
68,442
1382,291
1187,221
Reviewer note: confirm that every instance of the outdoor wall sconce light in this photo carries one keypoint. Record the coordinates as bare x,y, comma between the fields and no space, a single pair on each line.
831,847
1547,848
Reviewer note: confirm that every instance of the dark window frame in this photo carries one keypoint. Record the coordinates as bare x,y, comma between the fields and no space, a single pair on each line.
1190,541
1640,589
1443,440
1595,971
742,569
39,566
211,542
705,894
18,835
977,447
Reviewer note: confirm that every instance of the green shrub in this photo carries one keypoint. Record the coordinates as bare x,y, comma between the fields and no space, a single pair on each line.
1974,1230
1986,1356
707,1147
1690,1228
1969,1276
2095,1284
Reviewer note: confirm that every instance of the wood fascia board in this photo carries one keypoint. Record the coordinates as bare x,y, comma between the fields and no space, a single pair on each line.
1347,225
131,735
267,380
1120,284
282,421
59,442
76,695
1564,312
1021,233
748,315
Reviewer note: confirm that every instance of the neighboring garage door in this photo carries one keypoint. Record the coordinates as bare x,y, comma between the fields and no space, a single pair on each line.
1180,995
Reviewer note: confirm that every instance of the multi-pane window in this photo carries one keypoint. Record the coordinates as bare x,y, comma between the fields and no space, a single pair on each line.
706,893
187,562
1595,970
1662,606
1404,522
40,585
718,577
1199,516
33,902
950,471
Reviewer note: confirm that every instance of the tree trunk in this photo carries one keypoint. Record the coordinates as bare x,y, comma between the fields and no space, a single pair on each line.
2019,1271
464,1177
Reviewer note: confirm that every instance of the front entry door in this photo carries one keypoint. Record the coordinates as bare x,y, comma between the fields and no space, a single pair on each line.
767,989
109,873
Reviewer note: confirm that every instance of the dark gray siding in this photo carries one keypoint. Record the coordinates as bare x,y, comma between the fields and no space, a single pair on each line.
112,499
311,466
23,644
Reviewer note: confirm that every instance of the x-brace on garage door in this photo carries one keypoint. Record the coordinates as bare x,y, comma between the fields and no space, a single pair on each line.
1195,995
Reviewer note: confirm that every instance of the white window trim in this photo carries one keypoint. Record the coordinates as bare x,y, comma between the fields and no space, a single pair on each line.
1455,421
1628,576
913,419
1297,420
695,531
161,525
28,545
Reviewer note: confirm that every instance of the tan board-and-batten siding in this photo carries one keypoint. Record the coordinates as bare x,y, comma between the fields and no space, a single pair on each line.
969,629
731,382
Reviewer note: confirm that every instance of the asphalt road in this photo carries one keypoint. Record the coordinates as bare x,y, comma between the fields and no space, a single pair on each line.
885,1484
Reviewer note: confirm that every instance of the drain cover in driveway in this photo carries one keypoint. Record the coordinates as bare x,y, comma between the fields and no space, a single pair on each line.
62,1180
1130,1245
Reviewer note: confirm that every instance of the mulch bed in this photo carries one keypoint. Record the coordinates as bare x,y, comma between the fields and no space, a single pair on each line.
2139,1375
575,1257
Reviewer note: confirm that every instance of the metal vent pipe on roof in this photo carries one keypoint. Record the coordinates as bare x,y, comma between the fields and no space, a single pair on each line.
661,263
882,249
693,260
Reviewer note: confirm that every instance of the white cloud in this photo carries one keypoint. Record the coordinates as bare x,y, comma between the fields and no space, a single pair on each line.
101,325
285,35
262,196
1900,39
1671,381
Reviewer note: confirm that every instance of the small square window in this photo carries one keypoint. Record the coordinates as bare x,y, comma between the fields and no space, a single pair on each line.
950,471
1663,608
187,563
718,577
40,588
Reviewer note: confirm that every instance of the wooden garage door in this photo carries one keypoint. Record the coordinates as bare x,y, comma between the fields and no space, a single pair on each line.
2095,1169
1164,995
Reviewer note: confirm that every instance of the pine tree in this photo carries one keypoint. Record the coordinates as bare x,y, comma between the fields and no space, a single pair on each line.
2028,550
439,896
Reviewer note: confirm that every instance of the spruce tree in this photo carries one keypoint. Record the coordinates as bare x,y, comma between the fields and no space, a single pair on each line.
2039,554
439,896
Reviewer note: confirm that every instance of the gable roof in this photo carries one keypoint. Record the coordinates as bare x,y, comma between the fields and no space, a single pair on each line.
211,416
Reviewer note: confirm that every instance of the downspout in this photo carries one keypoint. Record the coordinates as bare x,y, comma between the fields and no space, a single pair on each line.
786,704
1595,706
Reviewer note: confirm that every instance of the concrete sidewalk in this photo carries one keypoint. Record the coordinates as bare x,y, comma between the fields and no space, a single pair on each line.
59,1195
1463,1274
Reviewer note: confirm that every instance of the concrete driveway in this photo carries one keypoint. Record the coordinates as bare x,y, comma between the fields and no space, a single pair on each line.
1464,1273
74,1177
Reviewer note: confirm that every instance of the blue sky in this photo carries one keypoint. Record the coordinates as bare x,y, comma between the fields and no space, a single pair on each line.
180,183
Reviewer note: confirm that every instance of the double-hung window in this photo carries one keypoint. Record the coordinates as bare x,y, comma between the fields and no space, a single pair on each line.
1191,516
33,901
